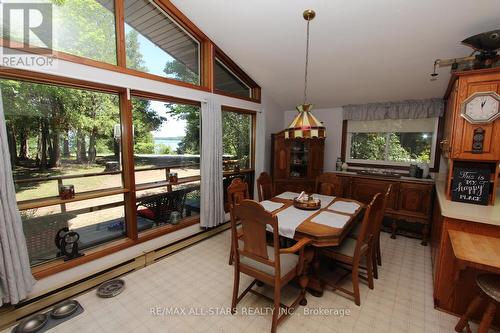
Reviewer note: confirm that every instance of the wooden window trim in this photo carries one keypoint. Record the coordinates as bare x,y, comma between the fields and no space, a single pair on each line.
163,98
433,168
233,67
226,108
208,52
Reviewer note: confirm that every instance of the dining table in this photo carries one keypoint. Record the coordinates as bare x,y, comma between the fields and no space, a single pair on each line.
326,226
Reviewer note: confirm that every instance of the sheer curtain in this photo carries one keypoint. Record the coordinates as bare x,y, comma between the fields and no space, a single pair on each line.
16,280
212,192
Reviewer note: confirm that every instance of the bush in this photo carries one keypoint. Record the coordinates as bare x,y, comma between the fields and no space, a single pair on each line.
165,150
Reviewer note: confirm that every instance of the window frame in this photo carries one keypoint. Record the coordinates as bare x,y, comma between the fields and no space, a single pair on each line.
386,164
205,54
226,108
163,8
223,59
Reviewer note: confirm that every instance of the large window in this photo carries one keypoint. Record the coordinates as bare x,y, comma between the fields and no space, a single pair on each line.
392,142
84,28
64,136
237,139
156,44
166,144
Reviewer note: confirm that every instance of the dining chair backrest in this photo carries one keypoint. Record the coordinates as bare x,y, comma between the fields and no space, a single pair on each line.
371,213
265,186
328,184
380,216
254,220
237,192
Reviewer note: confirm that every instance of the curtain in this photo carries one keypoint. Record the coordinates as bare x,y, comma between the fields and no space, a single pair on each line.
212,192
409,109
16,280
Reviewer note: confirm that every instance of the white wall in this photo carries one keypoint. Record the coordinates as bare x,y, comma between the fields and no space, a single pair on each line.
332,119
273,124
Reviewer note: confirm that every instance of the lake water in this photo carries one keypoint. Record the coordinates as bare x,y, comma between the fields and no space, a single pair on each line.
172,143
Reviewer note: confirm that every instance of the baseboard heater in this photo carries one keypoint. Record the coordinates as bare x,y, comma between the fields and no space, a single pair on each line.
13,313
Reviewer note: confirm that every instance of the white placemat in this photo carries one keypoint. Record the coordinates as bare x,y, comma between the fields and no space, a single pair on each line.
271,206
288,195
289,219
331,219
344,206
325,199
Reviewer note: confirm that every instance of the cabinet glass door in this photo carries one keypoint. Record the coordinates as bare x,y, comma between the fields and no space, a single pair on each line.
299,157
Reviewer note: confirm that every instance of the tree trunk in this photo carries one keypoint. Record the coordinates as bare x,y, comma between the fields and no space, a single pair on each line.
66,153
44,140
81,151
92,145
11,140
23,148
55,157
39,145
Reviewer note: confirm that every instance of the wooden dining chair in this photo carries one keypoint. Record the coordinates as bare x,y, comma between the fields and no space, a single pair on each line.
328,184
376,228
236,193
356,252
269,264
265,186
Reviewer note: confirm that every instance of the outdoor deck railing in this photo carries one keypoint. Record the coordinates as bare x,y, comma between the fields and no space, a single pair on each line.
42,202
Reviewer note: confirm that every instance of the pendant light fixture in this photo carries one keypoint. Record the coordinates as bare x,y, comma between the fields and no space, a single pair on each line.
305,124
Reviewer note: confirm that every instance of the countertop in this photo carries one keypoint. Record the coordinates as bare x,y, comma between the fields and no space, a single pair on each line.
465,211
402,178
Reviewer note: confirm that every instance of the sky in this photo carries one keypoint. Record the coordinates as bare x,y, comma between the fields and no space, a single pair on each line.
155,59
170,127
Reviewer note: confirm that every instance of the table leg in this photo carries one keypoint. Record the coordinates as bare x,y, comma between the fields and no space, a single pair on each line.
315,286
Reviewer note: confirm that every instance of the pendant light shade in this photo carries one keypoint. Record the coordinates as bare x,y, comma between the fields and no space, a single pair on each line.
306,125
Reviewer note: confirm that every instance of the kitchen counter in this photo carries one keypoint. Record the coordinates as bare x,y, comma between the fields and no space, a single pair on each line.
405,178
465,211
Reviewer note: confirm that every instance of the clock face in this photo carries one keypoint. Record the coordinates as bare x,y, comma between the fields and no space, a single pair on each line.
481,108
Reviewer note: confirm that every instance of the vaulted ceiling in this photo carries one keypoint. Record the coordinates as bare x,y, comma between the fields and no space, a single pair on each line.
361,51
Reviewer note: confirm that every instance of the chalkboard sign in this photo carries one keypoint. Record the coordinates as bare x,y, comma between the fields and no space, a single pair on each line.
471,185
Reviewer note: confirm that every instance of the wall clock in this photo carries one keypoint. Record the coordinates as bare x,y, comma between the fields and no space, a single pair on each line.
481,107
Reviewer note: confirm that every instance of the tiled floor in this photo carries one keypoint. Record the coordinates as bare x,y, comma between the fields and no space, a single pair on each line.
199,280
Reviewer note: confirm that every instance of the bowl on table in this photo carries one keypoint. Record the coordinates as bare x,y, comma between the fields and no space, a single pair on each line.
307,203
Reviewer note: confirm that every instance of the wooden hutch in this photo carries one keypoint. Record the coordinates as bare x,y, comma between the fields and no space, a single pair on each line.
457,227
296,162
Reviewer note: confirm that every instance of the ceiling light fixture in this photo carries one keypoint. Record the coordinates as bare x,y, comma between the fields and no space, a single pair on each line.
305,124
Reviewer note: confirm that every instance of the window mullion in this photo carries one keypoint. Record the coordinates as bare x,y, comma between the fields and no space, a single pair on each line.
121,58
127,137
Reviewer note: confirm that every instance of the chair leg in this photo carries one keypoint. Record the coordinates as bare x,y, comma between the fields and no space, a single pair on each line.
355,285
379,256
276,311
236,288
231,254
374,264
476,302
488,316
369,268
